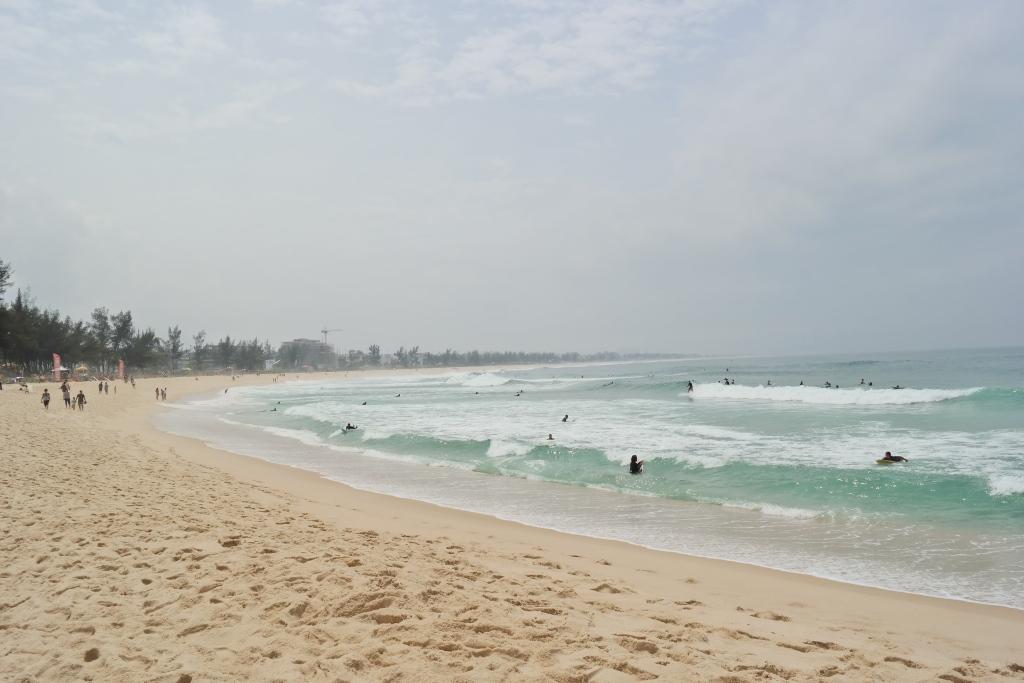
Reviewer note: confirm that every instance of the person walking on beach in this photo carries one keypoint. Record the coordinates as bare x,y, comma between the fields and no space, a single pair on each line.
106,388
163,394
81,399
156,392
101,386
46,399
65,391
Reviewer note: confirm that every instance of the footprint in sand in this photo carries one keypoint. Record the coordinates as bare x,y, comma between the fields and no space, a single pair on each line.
910,664
771,616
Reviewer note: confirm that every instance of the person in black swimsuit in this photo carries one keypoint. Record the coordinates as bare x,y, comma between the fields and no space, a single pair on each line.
889,457
636,466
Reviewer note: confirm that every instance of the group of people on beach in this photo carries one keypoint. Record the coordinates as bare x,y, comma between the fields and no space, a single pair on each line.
77,401
161,394
72,402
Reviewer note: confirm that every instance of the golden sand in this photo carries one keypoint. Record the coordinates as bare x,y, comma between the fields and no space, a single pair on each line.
133,555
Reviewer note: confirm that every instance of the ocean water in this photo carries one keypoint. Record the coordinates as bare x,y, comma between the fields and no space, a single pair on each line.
781,476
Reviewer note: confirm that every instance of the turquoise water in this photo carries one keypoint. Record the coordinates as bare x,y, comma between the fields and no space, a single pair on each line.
782,475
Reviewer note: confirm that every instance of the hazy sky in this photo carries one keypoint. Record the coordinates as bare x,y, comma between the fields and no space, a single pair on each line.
695,176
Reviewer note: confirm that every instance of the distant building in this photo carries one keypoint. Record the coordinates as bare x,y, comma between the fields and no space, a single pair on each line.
311,353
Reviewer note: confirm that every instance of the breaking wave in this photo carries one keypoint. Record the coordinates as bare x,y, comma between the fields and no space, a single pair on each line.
822,396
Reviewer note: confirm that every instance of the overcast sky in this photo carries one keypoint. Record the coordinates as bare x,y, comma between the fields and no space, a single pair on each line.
701,176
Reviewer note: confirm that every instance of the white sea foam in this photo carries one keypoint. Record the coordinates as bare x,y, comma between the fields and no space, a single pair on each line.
500,449
301,435
771,509
485,379
375,434
822,396
1006,485
713,432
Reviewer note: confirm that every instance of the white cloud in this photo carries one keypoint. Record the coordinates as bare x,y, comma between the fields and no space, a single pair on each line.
187,34
83,10
250,107
20,40
269,4
610,46
350,17
783,139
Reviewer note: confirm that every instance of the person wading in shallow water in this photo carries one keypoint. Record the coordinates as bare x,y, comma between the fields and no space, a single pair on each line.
636,466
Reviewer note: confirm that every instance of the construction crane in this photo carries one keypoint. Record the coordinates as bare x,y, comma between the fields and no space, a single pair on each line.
326,331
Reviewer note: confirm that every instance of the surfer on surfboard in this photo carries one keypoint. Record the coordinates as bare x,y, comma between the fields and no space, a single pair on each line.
889,457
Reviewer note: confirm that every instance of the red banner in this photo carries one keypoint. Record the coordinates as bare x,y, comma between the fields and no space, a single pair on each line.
120,369
56,366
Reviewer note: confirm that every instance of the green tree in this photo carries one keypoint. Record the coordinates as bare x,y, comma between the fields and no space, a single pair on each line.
143,349
101,336
374,354
173,345
5,277
225,351
198,350
121,334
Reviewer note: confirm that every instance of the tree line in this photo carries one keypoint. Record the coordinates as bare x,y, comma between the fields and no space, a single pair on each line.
413,357
29,335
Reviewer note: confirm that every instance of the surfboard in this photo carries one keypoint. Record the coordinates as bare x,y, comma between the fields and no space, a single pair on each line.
883,461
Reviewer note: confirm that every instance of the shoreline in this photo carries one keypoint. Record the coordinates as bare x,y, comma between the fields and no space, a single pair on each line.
607,609
596,538
269,442
527,525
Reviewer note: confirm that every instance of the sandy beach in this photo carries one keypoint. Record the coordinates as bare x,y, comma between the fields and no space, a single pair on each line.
133,555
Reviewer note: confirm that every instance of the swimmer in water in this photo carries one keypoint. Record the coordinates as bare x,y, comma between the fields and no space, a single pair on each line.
636,466
551,437
889,457
566,418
